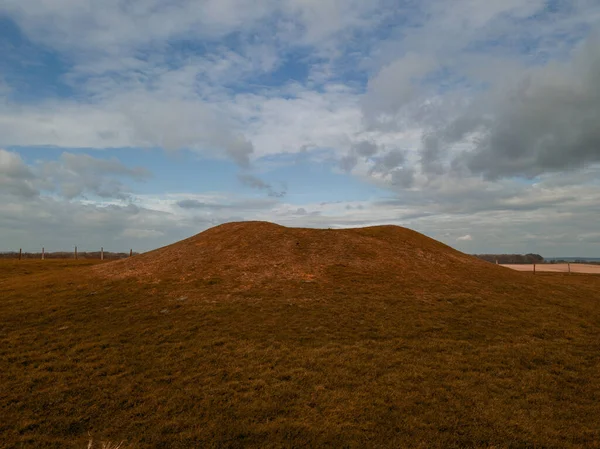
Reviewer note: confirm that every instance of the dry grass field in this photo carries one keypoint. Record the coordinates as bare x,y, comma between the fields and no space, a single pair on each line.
582,268
255,335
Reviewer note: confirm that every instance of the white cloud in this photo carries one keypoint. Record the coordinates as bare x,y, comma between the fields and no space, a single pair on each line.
119,26
15,176
398,83
465,238
72,175
143,234
413,98
139,119
75,175
177,100
304,119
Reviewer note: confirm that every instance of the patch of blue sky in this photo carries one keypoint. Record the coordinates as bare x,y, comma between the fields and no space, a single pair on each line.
558,45
554,7
180,171
42,153
171,172
294,68
291,66
529,48
309,181
304,178
32,71
180,50
365,47
347,70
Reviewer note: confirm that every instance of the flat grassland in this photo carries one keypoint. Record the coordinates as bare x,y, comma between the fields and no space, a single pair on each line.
514,366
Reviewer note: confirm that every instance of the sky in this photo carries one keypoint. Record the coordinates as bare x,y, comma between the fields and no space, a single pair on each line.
137,123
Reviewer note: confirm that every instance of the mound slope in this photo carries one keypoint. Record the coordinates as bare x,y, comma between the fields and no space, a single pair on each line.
246,255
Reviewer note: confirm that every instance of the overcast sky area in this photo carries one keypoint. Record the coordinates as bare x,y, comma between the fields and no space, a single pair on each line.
136,123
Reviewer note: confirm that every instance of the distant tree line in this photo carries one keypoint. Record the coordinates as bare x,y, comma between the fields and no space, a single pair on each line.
65,255
511,258
584,261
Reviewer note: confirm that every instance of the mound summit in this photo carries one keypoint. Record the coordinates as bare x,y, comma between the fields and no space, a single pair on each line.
248,255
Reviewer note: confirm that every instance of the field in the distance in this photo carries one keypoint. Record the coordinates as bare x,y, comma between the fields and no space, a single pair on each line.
338,354
583,268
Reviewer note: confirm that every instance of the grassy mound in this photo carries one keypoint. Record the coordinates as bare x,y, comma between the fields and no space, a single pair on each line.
259,256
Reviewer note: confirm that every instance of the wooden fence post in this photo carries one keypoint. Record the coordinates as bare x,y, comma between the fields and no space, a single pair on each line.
534,268
569,265
75,253
130,252
102,253
43,254
20,253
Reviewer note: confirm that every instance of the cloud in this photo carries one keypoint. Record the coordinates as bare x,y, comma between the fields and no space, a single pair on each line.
59,224
538,218
86,165
391,160
403,177
16,177
72,175
121,24
126,119
195,204
397,84
253,182
465,238
301,211
141,233
217,203
294,117
365,148
548,122
461,115
441,71
591,237
80,174
13,166
256,183
362,149
525,115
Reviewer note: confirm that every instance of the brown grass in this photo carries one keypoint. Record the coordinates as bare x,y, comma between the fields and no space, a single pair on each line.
333,347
